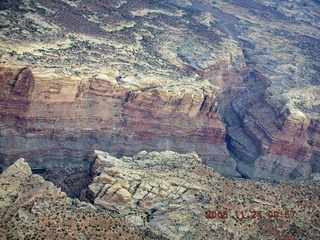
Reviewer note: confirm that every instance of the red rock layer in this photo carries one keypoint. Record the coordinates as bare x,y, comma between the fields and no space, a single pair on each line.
61,121
269,142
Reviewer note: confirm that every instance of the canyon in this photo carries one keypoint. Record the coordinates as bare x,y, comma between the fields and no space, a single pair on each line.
237,82
148,119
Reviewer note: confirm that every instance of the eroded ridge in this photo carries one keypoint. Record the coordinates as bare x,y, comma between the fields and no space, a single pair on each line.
32,208
178,197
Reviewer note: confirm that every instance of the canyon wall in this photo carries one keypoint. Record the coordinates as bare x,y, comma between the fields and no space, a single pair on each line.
62,125
235,81
268,142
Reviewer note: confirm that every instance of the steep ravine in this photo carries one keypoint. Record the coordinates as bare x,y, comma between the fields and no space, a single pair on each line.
267,143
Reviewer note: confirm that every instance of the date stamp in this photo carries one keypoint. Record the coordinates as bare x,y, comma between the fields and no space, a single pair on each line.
223,214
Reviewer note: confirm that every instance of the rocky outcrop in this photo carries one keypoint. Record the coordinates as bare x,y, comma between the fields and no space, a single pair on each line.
32,208
179,198
157,195
124,186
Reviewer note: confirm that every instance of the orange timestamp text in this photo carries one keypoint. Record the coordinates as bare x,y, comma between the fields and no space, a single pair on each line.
223,214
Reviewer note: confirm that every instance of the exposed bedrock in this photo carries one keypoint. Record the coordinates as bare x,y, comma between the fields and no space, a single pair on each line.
166,184
235,81
268,142
156,195
62,124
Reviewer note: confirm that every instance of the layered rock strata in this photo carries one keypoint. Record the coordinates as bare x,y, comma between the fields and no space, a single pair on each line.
64,128
235,81
113,90
271,121
269,143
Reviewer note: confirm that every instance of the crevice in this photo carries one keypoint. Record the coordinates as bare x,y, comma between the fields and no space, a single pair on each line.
17,78
244,147
203,103
150,214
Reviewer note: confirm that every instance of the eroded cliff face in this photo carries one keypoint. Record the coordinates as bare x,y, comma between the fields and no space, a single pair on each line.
236,82
268,142
63,125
